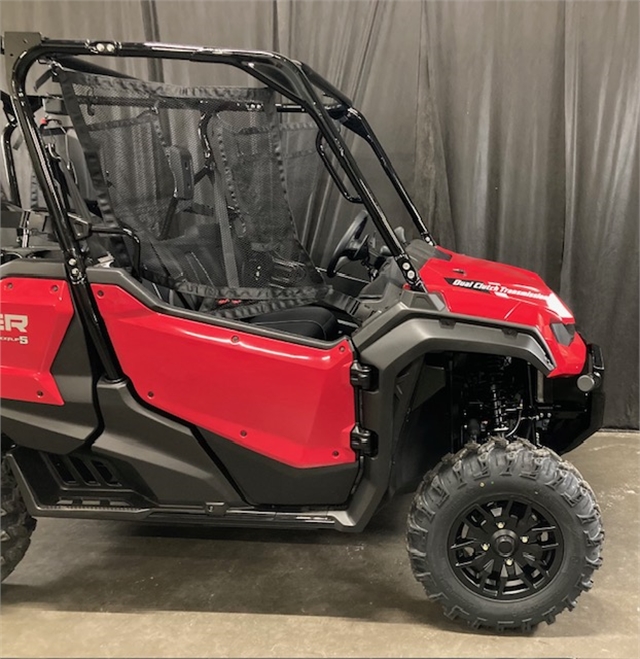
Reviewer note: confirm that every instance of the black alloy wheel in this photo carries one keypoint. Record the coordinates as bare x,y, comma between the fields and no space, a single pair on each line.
506,548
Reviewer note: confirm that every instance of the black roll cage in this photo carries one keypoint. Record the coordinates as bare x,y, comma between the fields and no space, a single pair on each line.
294,80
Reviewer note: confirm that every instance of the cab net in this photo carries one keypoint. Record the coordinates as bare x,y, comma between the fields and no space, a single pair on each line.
207,179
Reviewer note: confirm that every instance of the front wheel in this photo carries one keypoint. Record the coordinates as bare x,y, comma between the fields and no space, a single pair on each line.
504,535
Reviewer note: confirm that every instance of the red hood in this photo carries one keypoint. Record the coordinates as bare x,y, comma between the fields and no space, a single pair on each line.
486,289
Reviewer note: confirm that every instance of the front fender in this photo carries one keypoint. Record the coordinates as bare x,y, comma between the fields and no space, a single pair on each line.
397,337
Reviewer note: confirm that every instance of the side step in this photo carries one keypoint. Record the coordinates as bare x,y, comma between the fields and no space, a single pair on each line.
65,490
243,517
75,497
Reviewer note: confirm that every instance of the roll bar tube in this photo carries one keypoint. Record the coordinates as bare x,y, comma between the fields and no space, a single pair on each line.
7,153
21,50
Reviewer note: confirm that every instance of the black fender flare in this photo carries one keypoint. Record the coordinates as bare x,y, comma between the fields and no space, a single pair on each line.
416,336
390,344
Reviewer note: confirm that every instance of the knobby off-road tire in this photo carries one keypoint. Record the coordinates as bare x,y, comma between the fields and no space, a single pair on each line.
15,522
477,540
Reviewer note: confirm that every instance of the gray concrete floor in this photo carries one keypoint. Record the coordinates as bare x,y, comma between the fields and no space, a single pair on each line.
100,589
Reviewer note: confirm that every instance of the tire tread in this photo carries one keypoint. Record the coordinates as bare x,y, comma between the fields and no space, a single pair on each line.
16,522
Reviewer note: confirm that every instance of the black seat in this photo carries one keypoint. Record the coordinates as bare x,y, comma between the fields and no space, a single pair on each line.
313,322
197,253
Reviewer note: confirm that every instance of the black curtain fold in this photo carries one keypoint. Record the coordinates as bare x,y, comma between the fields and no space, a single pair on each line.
600,277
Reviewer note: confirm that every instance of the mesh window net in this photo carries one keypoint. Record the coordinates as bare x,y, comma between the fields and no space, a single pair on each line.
209,180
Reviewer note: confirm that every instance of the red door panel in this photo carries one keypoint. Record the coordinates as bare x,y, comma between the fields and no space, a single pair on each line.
34,317
289,402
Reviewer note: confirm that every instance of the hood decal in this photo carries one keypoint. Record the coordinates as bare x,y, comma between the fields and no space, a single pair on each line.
470,283
498,289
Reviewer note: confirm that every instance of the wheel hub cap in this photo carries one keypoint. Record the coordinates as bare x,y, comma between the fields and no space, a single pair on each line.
504,543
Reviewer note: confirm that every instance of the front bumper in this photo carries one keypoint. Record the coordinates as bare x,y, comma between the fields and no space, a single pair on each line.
587,387
593,375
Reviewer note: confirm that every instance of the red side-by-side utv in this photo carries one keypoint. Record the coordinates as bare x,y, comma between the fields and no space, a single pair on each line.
170,352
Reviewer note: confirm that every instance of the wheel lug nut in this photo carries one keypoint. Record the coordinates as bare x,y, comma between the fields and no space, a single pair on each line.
500,525
524,539
509,561
485,547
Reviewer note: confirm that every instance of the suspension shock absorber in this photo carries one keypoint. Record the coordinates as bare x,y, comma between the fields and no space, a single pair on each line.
496,377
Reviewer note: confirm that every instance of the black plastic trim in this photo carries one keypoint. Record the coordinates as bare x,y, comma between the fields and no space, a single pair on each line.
413,305
264,481
165,454
594,416
33,268
38,486
592,419
418,335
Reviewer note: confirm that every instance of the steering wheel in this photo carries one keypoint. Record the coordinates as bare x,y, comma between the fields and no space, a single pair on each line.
351,247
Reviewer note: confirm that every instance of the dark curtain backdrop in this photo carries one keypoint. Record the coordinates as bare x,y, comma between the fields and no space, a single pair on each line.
513,124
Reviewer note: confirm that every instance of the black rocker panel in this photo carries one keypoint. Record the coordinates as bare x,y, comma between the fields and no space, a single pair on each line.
160,456
263,481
